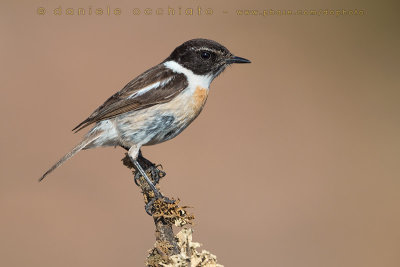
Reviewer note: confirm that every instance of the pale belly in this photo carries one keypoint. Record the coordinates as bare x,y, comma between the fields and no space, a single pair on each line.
161,122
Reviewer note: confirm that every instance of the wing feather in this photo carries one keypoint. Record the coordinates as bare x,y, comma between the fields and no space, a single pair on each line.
169,85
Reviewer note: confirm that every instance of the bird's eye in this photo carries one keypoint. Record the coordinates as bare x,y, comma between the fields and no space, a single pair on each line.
205,55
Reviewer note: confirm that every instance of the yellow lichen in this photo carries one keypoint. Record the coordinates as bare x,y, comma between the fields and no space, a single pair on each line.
189,256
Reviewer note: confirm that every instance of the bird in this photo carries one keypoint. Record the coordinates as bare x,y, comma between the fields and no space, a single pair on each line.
157,105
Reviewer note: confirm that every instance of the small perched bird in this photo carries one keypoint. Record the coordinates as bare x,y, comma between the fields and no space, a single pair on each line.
158,104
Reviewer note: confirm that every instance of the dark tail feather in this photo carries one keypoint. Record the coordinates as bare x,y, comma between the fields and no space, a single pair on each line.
81,125
72,153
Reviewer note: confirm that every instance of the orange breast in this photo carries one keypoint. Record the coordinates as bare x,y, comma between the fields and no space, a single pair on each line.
199,98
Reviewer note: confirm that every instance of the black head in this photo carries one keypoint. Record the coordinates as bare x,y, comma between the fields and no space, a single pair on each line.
204,57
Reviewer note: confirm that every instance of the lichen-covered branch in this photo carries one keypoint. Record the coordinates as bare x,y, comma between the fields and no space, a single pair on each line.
169,250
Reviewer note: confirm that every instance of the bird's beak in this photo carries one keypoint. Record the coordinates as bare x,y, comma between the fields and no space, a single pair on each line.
234,59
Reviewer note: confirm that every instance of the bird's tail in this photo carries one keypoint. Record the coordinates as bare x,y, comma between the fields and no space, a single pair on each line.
70,154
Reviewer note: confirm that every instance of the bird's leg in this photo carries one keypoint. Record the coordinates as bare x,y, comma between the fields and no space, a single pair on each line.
133,154
149,167
139,168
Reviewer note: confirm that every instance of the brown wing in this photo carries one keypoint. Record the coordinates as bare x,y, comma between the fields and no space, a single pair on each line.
170,85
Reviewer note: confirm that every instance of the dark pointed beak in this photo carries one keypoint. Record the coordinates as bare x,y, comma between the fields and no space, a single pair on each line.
237,60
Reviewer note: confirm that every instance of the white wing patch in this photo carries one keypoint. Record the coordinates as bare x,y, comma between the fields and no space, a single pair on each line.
149,87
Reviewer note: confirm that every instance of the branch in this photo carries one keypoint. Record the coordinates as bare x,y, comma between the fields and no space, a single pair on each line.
169,250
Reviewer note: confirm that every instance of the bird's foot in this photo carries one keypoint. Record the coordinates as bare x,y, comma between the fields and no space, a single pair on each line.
155,172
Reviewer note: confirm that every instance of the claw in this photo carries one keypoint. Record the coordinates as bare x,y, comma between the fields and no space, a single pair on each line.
167,200
155,173
137,178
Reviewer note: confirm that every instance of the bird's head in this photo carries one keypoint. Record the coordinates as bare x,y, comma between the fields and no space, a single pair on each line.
204,57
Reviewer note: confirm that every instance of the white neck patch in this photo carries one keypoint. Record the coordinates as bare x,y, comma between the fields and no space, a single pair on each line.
194,79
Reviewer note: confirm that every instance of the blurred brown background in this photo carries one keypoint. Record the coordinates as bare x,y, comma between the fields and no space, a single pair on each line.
293,162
